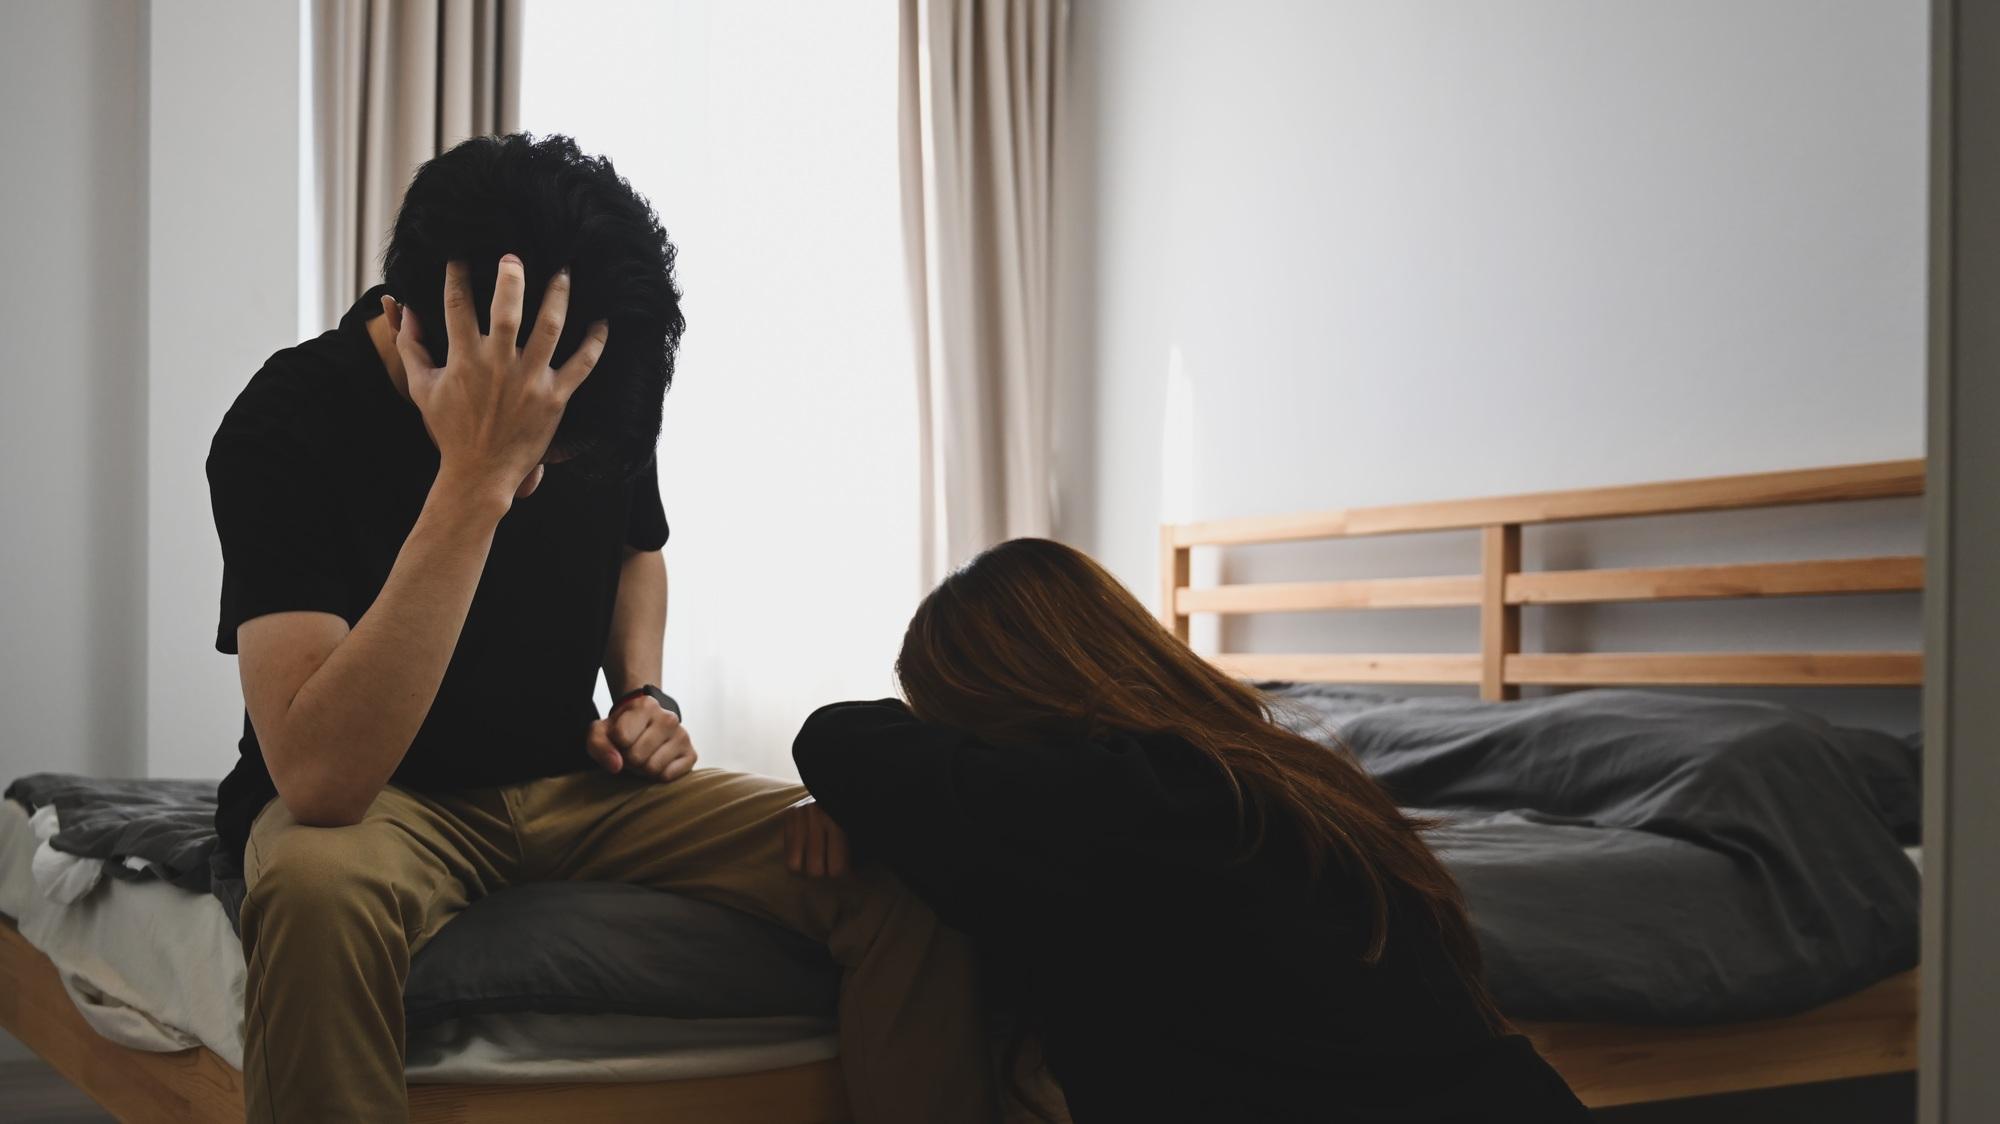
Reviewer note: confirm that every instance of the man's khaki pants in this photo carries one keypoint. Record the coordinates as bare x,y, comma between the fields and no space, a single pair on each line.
333,915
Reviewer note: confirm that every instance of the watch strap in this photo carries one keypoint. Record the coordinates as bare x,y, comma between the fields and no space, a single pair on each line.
648,690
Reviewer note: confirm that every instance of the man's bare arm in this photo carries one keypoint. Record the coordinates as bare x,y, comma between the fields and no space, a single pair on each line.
638,623
640,737
336,710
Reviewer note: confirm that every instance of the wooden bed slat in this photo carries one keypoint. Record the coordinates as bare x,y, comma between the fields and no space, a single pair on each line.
1298,597
1174,572
1499,622
1879,480
1762,669
1873,1031
1898,574
1891,574
1322,668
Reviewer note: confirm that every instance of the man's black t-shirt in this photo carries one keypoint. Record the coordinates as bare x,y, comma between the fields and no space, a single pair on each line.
317,474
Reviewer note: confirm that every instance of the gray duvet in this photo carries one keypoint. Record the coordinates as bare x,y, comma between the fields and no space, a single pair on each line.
1627,857
1639,857
552,948
168,824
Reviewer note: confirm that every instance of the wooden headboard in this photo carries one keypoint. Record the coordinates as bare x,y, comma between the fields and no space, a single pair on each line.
1501,587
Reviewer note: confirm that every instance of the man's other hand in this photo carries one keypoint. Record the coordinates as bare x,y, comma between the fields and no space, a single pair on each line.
644,739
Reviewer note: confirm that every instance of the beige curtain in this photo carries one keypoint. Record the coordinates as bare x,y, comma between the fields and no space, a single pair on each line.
983,89
395,82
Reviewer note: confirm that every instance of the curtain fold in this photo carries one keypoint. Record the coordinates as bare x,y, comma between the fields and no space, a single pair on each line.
395,82
983,88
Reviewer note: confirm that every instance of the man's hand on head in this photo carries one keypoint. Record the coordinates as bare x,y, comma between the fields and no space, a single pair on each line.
494,406
644,739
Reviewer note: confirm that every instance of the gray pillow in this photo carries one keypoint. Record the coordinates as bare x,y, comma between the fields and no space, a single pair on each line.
600,947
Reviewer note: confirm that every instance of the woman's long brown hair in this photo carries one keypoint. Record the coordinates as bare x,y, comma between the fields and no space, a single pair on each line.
1034,637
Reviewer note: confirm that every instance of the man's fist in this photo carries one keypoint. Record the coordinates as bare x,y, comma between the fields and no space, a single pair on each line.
642,738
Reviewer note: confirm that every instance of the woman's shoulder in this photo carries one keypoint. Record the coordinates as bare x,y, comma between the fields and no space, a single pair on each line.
1165,766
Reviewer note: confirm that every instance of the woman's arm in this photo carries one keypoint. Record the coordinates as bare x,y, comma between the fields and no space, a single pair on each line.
880,777
943,809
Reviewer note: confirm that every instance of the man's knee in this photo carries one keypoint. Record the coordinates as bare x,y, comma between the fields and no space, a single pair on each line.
331,875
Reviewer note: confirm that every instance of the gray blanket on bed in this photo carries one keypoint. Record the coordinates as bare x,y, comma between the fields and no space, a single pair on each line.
1639,857
1627,856
168,825
555,948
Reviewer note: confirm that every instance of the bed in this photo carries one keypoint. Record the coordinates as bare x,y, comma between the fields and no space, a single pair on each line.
143,1087
133,992
1870,1030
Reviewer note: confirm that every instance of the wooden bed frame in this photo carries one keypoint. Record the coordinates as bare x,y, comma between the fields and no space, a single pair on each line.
197,1087
1871,1032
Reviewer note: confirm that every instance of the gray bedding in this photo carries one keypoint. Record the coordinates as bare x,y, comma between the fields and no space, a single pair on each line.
1640,857
168,824
548,948
1627,857
595,948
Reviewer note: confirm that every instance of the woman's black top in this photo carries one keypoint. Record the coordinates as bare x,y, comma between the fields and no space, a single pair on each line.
1166,979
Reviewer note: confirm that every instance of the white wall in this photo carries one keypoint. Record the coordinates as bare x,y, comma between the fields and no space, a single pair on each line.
73,430
224,281
1432,249
153,264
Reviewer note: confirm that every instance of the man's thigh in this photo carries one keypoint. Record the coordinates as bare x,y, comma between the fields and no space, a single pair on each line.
424,857
712,834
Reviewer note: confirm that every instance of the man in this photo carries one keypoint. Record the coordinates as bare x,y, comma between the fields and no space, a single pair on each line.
438,522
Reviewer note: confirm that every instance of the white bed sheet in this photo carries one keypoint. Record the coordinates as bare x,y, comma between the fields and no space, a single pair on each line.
158,968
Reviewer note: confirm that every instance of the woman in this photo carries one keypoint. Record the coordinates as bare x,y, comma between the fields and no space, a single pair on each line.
1200,914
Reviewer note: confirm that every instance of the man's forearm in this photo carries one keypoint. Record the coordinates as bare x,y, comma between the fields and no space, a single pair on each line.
638,624
352,721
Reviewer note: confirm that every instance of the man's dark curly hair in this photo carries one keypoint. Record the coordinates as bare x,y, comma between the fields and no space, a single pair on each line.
551,205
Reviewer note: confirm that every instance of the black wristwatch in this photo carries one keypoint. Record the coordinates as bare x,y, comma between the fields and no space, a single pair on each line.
665,700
